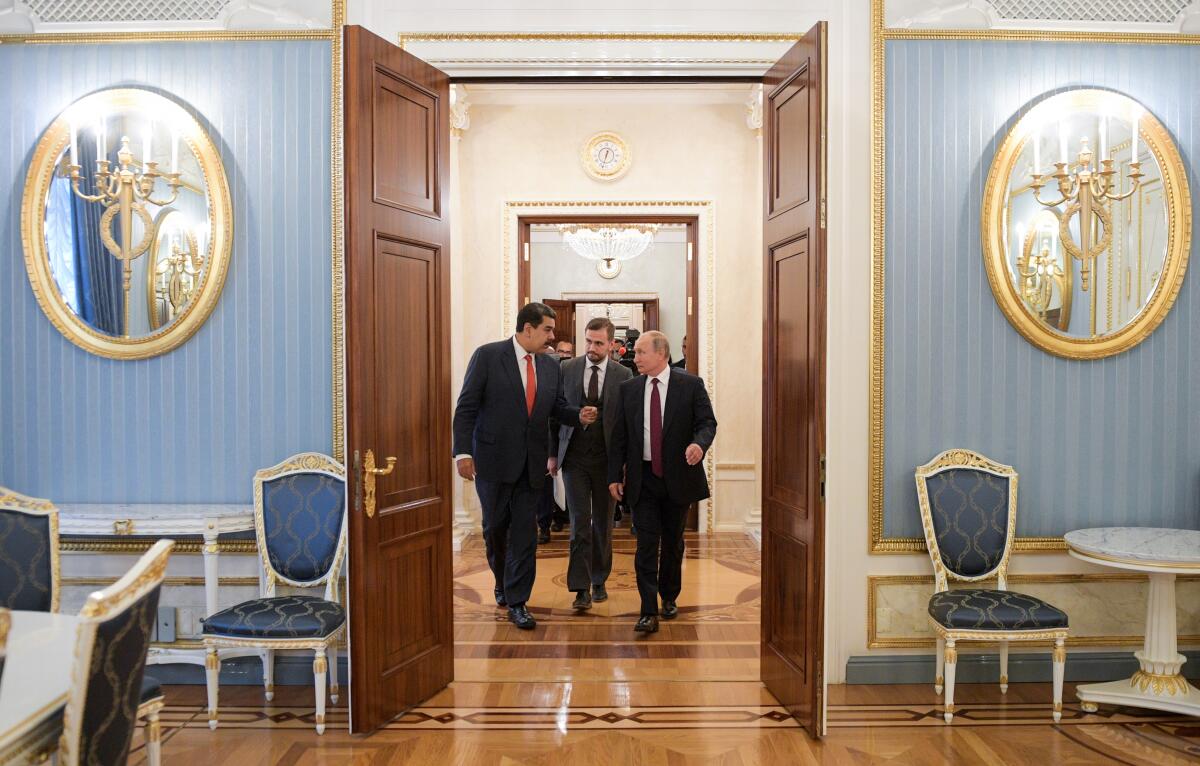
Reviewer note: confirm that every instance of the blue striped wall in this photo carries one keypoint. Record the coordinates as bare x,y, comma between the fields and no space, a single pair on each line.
254,384
1111,442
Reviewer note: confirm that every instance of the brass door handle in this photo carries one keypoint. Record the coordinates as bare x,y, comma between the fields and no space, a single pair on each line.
369,474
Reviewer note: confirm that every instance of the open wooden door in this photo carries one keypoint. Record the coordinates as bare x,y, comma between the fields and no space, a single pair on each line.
793,505
564,323
397,301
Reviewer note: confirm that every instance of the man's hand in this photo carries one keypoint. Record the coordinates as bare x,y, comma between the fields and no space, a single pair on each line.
552,466
466,468
588,415
693,454
617,490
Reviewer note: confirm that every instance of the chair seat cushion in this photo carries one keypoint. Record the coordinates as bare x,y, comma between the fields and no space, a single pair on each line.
277,617
979,609
151,688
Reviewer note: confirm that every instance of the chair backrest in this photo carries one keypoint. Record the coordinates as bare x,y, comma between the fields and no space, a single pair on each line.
5,622
300,521
29,568
969,514
110,655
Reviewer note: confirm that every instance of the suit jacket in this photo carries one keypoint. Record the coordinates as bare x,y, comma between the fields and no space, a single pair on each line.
574,373
687,418
492,423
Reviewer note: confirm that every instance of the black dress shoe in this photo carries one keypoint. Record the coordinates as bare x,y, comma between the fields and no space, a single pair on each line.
647,623
599,593
520,616
556,526
582,600
632,530
543,536
669,610
500,597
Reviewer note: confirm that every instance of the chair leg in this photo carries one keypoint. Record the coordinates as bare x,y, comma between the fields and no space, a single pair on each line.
319,684
951,656
939,676
153,739
212,672
1060,665
268,661
1003,667
332,653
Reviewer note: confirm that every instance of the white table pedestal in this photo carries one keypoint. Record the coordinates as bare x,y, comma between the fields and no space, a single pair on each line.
1161,554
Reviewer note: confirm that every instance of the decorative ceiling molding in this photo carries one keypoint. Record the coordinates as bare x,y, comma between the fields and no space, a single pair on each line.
1149,16
513,94
31,17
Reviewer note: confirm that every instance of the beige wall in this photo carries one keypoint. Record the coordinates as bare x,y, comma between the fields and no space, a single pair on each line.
687,144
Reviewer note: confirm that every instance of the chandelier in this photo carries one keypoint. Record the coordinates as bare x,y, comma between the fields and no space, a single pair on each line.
608,244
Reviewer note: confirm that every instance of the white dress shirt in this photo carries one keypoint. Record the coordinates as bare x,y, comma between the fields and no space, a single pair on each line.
663,379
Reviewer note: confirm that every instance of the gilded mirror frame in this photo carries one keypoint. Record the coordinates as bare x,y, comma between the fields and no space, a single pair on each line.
45,163
994,229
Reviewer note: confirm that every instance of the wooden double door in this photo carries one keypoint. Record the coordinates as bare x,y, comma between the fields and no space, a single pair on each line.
398,405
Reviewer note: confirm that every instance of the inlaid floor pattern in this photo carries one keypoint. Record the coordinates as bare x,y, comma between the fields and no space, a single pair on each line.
583,688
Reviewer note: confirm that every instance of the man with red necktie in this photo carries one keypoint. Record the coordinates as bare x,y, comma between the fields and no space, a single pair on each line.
665,426
501,442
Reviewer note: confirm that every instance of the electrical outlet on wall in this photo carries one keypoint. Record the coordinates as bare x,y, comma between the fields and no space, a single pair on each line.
166,624
186,622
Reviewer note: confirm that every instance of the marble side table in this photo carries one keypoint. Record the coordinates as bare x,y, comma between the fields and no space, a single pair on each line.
1162,554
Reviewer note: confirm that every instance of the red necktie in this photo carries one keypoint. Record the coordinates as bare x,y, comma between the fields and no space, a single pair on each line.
656,466
530,384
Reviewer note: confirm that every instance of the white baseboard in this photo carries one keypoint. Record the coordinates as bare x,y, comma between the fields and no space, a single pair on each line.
754,532
459,536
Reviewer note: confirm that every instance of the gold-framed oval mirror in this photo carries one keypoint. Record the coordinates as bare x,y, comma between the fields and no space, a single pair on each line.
127,223
1086,224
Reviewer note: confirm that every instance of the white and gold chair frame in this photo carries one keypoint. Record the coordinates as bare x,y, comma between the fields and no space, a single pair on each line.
322,648
947,638
34,506
149,712
146,575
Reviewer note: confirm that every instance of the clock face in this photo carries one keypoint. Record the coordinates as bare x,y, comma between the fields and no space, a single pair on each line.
606,156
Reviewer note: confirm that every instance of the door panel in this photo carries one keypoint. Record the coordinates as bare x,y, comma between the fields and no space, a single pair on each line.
564,322
397,377
794,382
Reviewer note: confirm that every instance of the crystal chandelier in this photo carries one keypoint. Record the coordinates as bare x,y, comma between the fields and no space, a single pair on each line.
608,243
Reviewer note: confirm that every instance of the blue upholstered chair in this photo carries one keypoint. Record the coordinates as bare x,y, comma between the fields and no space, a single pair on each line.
110,655
969,513
300,520
29,570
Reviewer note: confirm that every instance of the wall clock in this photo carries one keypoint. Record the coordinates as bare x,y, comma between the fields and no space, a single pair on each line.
606,156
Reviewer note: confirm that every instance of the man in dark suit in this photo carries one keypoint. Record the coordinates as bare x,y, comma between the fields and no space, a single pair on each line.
665,426
582,454
501,443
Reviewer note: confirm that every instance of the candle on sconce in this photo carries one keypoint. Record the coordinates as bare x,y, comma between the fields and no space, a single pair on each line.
74,144
174,152
1137,118
101,149
147,133
1062,141
1037,152
1104,137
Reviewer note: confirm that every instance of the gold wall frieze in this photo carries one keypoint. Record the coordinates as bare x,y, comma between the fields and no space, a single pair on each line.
87,544
569,37
874,582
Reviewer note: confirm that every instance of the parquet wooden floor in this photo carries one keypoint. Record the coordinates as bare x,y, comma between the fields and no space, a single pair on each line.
584,689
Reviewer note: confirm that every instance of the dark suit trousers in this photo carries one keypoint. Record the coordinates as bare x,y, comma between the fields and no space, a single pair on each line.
510,534
659,558
590,506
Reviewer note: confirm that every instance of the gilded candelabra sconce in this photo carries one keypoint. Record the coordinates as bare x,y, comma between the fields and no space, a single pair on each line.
1117,214
92,223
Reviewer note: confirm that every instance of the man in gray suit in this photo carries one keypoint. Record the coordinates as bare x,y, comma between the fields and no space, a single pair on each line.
589,380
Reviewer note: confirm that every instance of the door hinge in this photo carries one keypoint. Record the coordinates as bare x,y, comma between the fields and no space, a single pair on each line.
822,212
822,479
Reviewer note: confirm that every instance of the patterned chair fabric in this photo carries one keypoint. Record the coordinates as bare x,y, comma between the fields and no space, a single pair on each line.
1001,610
302,517
26,568
278,617
970,518
114,682
5,622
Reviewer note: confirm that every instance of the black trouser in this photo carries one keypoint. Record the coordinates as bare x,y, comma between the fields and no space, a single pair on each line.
659,566
510,534
591,509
